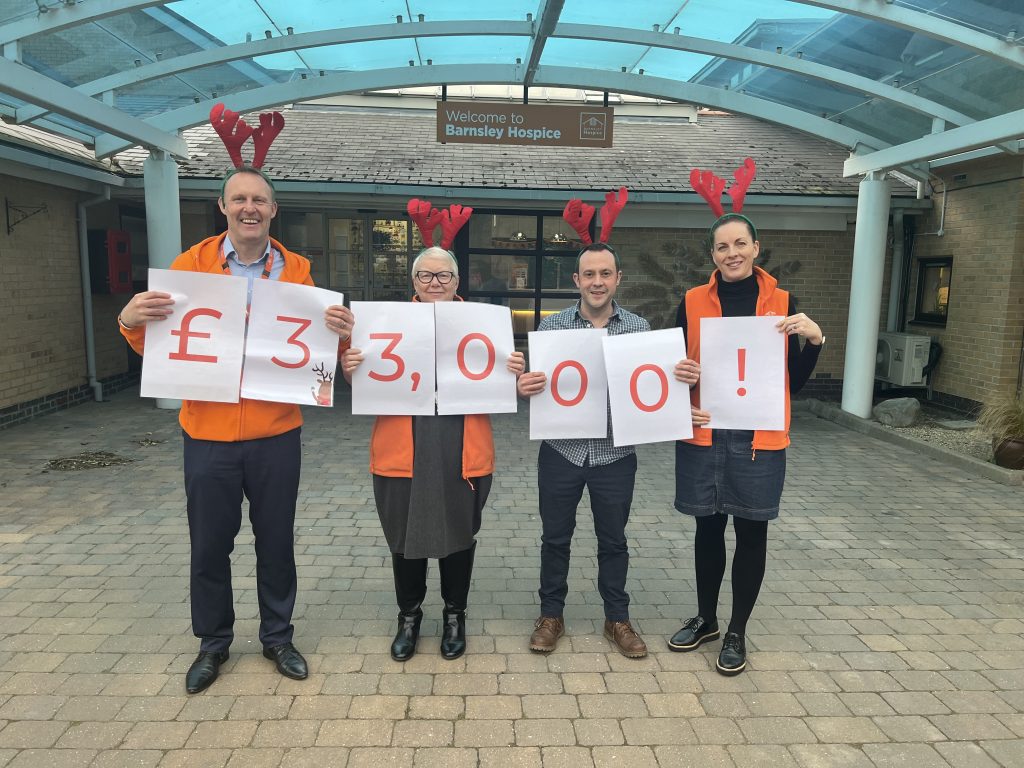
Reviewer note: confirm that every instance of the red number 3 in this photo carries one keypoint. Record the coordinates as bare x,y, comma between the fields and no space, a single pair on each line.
388,354
294,339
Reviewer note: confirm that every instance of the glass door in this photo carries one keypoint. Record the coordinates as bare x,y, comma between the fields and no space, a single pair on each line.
390,255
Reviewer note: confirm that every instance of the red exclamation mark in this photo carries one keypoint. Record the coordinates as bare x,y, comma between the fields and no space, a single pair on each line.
741,361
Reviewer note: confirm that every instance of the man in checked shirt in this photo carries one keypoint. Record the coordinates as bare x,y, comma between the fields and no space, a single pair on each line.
565,467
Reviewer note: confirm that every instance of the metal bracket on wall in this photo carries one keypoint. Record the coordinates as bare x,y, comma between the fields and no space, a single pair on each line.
18,213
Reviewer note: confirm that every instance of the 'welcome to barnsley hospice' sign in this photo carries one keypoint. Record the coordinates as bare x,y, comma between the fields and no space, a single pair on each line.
531,124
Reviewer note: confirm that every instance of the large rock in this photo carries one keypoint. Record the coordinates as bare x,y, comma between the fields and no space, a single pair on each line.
898,412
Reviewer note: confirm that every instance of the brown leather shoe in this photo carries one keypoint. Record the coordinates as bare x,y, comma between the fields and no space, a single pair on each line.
625,638
546,631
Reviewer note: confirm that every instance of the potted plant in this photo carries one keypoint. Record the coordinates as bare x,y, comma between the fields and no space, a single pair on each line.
1003,418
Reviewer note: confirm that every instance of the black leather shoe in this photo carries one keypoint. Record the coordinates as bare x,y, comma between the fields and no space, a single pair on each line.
204,670
733,658
403,647
453,634
694,632
288,660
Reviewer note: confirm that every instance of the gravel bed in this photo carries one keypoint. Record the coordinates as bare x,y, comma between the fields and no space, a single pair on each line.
968,442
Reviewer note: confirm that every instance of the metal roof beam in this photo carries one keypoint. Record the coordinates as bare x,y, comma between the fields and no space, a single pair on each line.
320,87
571,77
911,20
692,93
23,83
984,133
64,16
810,69
284,43
552,9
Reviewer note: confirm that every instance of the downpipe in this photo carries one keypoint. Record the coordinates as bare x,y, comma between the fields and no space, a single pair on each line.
83,259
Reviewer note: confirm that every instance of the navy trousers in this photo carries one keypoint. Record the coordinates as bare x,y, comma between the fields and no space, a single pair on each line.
560,485
217,475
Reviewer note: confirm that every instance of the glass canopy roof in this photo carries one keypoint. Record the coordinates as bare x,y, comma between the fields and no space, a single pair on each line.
871,75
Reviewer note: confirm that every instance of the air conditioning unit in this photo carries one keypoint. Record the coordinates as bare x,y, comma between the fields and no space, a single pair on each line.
901,359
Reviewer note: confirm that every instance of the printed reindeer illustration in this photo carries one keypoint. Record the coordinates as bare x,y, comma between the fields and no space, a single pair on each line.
323,395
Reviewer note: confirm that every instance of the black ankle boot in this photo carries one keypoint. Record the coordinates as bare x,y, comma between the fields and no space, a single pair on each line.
456,571
404,645
453,633
410,589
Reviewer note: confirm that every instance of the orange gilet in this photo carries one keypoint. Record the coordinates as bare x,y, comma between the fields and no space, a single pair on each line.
246,419
391,443
702,301
391,446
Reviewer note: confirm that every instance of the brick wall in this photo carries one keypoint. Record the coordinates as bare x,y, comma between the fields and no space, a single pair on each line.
42,350
659,265
984,234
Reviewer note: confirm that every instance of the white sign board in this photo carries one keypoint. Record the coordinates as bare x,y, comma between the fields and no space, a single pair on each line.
196,352
397,373
574,404
473,342
743,372
648,404
290,355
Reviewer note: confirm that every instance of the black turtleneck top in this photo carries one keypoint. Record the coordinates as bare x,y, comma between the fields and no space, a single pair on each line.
739,299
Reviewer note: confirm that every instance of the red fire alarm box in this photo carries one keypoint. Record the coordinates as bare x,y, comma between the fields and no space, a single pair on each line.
110,261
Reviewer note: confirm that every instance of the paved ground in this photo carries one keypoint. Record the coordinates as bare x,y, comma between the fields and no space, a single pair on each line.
889,631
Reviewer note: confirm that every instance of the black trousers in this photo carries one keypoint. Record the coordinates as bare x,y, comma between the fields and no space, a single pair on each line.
217,475
560,485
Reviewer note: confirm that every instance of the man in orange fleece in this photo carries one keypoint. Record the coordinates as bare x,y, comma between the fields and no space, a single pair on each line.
249,448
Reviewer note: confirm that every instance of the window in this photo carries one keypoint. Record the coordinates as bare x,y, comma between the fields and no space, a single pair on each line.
933,290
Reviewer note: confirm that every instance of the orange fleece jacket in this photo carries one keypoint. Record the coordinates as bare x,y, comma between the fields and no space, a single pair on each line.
246,419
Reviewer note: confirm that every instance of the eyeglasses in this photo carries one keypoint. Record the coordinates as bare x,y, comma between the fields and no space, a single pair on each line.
425,277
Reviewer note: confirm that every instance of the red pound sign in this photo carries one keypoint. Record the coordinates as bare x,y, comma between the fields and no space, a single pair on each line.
554,383
636,395
461,357
294,339
388,354
185,334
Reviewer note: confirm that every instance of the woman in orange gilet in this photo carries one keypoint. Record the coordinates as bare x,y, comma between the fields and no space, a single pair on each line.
722,472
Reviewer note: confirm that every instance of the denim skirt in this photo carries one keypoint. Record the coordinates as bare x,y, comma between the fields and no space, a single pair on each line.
729,477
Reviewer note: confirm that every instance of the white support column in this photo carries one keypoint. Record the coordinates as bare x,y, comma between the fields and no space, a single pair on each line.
163,220
865,294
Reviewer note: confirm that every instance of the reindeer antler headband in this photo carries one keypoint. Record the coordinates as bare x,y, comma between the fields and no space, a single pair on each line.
710,187
427,218
234,132
578,215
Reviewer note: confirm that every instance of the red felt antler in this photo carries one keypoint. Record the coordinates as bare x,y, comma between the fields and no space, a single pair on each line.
426,218
452,221
743,175
271,124
710,187
578,215
613,205
232,129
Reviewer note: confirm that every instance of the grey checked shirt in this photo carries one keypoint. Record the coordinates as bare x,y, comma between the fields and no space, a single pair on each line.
597,451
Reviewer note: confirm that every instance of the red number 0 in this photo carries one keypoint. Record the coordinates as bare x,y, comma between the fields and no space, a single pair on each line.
462,357
554,382
388,354
636,395
294,339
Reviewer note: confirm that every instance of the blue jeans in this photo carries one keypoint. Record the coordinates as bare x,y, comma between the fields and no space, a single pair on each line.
560,484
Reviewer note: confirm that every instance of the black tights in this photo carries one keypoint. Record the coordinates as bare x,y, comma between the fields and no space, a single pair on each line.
747,566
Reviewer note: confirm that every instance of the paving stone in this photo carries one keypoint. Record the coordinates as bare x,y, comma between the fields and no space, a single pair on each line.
888,626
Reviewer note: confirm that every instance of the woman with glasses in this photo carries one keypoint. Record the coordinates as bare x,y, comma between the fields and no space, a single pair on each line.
431,478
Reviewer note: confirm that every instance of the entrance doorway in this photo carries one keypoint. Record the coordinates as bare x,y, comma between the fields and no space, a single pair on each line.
366,256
